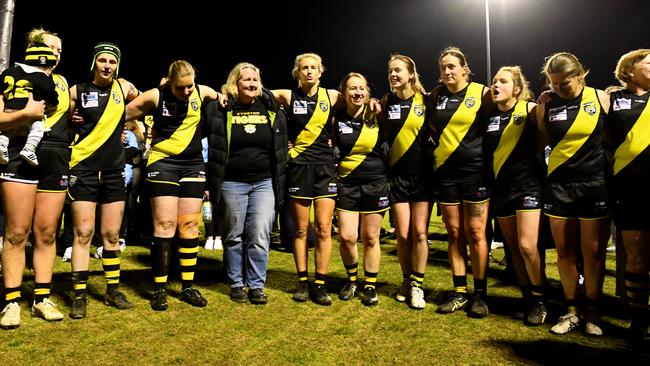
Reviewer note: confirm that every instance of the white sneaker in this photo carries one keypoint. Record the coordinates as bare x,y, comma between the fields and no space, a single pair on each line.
67,255
47,310
98,253
122,244
2,240
10,316
218,245
29,156
591,329
209,243
566,323
417,298
4,154
496,245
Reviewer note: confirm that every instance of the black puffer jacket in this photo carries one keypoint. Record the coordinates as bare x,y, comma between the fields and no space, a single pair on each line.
216,130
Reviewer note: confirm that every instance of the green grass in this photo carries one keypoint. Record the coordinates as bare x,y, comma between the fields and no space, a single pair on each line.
284,332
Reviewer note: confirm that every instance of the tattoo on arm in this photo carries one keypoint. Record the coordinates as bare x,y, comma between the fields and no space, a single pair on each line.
476,209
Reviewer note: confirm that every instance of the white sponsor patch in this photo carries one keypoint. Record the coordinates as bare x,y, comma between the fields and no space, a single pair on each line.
621,104
441,103
394,111
557,114
90,100
299,107
344,129
494,124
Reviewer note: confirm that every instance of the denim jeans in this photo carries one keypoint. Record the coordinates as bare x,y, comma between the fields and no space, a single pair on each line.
249,210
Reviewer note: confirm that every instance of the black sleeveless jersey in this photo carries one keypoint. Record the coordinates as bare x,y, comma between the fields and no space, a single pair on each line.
575,129
407,134
362,149
629,123
309,128
458,123
99,144
509,144
176,129
60,134
17,83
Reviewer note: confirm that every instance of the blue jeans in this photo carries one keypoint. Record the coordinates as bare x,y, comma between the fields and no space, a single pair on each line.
249,211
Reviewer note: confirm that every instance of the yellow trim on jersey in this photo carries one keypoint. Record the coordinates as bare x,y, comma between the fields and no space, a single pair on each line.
409,131
314,127
636,141
557,217
181,138
510,136
104,128
477,202
449,203
192,179
458,125
51,191
584,125
362,147
162,182
63,93
594,218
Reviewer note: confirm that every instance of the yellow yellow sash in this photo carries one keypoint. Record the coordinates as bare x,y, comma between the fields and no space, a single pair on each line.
64,102
584,125
314,127
510,136
458,125
636,141
409,131
362,147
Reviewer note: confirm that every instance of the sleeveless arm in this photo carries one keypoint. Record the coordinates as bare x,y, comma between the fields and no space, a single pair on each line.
142,105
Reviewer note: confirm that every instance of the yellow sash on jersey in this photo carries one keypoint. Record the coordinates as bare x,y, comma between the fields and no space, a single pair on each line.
314,127
409,131
510,136
104,128
458,125
63,93
181,138
635,141
362,147
583,126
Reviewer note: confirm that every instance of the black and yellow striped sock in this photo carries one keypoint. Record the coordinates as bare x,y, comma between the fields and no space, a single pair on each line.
303,276
12,294
319,280
79,282
460,284
480,286
537,293
160,251
571,306
371,279
188,251
636,291
352,271
111,264
417,279
41,291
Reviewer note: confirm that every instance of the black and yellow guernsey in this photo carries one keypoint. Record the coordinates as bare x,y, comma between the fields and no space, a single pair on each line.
98,146
629,123
510,144
574,129
361,147
407,135
177,130
458,125
60,134
309,128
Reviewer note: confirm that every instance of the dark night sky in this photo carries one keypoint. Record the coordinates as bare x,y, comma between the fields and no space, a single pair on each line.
351,35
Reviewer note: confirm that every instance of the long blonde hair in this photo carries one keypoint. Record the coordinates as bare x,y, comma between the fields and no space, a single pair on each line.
519,81
626,64
230,87
416,84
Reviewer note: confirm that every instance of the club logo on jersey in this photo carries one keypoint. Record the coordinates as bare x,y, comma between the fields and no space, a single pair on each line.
194,104
331,188
250,128
72,181
469,102
323,105
590,108
517,118
383,202
418,110
530,202
370,124
116,97
60,86
63,182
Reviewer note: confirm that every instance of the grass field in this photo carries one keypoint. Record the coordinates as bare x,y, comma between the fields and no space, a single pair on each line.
285,332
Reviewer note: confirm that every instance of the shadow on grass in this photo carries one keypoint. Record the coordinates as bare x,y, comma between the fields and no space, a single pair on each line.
558,352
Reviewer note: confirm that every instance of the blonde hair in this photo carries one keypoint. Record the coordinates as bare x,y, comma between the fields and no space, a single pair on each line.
179,69
37,35
626,64
456,52
416,84
230,87
519,81
343,85
565,63
296,64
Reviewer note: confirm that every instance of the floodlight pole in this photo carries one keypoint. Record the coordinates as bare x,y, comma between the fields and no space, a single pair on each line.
6,25
487,42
